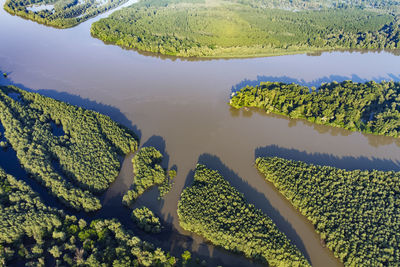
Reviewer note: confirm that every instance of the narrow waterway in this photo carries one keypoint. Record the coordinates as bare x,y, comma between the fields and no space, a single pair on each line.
180,106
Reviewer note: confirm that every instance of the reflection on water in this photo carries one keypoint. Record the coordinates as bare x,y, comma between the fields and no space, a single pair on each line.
184,104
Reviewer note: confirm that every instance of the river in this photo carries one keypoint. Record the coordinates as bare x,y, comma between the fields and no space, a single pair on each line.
180,106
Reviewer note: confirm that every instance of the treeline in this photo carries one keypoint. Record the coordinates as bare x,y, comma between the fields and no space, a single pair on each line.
146,220
147,172
36,235
73,166
367,107
356,212
212,208
247,28
59,13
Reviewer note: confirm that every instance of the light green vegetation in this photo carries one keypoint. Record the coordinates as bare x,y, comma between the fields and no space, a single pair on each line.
74,166
367,107
146,220
355,212
166,186
212,208
147,173
60,13
217,28
41,236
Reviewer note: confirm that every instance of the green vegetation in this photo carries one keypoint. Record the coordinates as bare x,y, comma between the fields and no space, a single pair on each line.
367,107
60,13
355,212
166,186
74,166
147,173
146,220
41,236
212,208
240,28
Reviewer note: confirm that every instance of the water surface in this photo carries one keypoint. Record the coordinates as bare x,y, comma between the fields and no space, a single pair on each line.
181,106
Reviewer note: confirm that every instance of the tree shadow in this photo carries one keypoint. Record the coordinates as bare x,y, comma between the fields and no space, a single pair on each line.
76,100
344,162
256,198
158,143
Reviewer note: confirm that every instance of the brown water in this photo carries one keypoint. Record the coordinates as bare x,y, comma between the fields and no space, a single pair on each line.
181,107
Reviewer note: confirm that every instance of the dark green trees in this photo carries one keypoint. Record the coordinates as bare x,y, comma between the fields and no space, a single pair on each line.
355,212
59,13
147,172
73,166
212,208
146,220
367,107
37,235
191,28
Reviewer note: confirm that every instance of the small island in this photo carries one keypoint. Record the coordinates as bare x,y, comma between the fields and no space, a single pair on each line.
224,29
214,209
355,212
60,13
369,107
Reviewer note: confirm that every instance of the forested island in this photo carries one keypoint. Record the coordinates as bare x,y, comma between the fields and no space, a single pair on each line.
366,107
217,28
147,173
60,13
33,234
214,209
75,162
356,212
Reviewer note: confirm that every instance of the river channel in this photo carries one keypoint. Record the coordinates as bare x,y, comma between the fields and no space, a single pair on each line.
180,106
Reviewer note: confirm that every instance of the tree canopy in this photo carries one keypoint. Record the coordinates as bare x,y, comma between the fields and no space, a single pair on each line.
60,13
32,233
75,165
147,172
212,208
240,28
367,107
355,212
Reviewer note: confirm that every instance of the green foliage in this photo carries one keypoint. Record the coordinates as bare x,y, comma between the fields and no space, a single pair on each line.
60,13
186,256
146,220
220,28
212,208
166,186
355,212
83,161
29,229
367,107
147,173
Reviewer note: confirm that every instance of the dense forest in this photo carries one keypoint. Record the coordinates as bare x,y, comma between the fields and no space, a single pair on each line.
146,220
367,107
60,13
356,212
73,165
147,173
216,28
33,234
212,208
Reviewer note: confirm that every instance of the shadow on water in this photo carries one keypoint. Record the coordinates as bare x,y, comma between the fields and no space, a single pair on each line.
254,197
345,162
158,143
77,100
316,83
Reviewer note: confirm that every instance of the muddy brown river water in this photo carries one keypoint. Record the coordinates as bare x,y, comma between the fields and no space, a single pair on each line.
180,106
